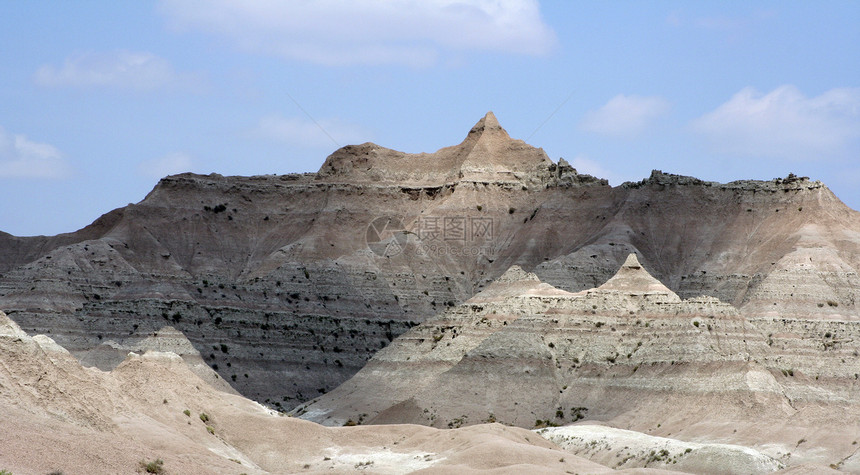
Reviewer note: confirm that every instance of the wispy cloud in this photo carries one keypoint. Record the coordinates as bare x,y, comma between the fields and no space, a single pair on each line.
170,164
333,32
115,69
785,124
22,158
584,164
625,116
322,133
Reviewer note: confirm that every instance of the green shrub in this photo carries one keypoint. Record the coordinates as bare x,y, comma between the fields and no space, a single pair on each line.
156,466
204,417
187,412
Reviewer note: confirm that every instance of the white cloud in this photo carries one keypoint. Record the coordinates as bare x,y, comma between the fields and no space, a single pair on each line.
625,116
334,32
785,124
119,69
583,164
323,133
22,158
170,164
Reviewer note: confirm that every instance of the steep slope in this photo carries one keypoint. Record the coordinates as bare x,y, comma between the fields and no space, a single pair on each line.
59,416
630,353
297,280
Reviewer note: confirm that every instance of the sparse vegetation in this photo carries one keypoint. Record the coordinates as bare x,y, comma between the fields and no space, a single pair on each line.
655,456
577,413
204,417
457,422
540,424
155,466
210,430
187,412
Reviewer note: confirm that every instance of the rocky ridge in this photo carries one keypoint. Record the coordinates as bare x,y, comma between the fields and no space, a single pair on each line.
291,280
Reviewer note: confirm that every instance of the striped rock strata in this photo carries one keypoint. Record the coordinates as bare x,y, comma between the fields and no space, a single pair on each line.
302,278
629,353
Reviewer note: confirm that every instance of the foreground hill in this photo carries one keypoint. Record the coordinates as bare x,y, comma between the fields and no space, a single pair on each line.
60,416
153,414
286,285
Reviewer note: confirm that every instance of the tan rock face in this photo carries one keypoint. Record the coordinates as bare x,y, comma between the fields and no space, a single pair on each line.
291,275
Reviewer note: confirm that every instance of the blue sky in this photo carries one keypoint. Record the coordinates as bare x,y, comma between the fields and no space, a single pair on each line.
100,99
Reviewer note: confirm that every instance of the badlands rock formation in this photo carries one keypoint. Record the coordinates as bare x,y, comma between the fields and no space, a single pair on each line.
633,355
286,285
61,417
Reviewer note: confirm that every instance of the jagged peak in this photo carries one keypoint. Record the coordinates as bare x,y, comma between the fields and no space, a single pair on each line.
487,154
488,123
515,281
790,182
633,278
516,273
632,262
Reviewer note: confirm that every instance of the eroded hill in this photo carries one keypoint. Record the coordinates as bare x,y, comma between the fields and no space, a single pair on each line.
630,355
287,285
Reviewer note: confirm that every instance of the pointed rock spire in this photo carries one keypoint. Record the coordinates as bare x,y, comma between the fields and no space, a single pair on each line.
490,124
515,281
516,273
487,154
633,278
